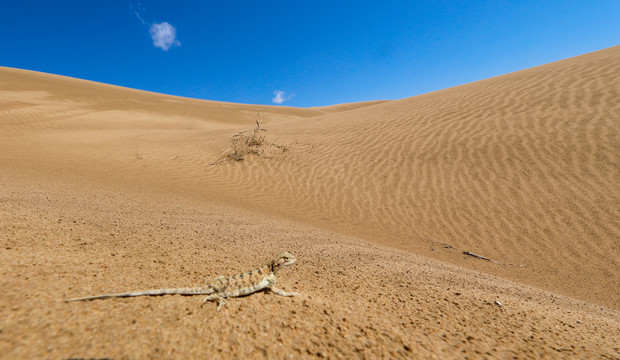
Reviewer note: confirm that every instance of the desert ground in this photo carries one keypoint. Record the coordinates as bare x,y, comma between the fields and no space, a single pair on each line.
479,221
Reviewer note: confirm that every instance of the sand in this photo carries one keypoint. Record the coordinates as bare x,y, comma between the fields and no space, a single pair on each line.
108,189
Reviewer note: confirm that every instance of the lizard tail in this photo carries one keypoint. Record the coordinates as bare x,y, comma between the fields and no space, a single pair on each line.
180,291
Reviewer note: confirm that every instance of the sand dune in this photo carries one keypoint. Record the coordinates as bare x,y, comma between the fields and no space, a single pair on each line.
110,189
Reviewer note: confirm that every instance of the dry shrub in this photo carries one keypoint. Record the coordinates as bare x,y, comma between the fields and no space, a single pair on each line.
249,142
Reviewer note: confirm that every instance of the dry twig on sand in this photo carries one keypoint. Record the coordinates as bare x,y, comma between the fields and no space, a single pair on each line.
448,246
481,257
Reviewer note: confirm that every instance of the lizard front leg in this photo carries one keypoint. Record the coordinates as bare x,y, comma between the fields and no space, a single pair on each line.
275,290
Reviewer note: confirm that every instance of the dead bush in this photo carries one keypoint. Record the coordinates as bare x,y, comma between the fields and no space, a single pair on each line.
249,142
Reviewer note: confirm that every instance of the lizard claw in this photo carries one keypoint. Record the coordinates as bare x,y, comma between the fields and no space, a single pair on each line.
222,303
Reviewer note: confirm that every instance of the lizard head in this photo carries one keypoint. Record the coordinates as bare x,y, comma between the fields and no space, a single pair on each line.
284,259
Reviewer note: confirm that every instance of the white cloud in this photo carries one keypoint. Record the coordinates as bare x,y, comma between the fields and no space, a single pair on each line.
139,11
164,36
280,97
140,17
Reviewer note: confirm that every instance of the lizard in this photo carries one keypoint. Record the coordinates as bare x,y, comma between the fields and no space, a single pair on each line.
223,287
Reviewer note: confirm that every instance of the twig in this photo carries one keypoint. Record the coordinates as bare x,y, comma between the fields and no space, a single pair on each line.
448,246
482,257
138,154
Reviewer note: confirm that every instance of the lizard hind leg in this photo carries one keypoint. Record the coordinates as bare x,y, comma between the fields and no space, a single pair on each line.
221,300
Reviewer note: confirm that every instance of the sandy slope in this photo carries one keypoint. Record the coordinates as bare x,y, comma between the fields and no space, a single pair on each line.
522,168
109,189
62,239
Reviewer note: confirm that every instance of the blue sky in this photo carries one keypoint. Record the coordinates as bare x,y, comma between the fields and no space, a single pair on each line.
309,53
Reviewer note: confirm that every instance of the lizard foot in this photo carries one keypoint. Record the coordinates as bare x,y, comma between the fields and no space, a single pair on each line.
280,292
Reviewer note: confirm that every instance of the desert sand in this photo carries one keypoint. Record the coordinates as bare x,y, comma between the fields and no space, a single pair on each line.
108,189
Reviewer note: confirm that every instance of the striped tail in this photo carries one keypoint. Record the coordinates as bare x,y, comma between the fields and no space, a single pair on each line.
205,290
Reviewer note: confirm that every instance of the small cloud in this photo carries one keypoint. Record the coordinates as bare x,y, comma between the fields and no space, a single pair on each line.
140,17
139,11
164,36
280,97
